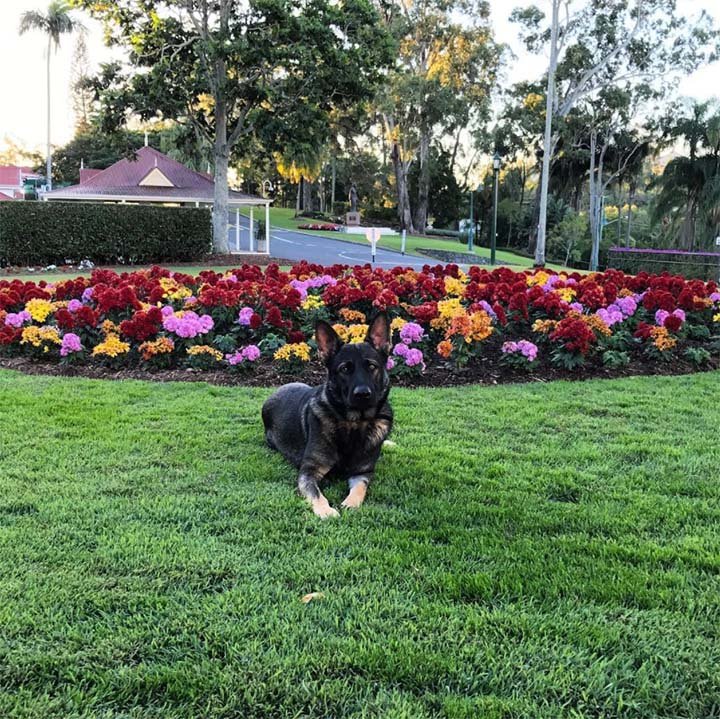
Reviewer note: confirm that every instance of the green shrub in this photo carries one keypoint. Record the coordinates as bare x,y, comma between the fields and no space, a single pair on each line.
42,233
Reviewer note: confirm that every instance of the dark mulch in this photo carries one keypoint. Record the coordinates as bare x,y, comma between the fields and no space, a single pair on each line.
459,258
265,374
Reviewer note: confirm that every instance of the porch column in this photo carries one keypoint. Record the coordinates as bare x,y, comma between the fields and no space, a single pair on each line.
267,228
237,229
252,230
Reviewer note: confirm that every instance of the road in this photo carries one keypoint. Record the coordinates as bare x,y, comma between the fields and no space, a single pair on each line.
295,246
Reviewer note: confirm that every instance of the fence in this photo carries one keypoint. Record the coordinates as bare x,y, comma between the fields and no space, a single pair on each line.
702,265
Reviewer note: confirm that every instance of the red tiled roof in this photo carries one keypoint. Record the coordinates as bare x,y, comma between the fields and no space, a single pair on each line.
13,175
122,180
86,173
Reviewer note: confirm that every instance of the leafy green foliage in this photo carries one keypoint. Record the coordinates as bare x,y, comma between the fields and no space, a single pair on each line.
615,359
698,355
41,233
154,555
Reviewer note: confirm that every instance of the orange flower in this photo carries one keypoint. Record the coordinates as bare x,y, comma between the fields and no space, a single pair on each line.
445,348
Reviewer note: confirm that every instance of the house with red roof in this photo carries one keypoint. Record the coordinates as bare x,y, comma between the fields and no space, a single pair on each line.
152,177
13,179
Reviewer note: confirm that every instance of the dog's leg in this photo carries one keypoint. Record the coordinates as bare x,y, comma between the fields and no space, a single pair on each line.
308,486
358,488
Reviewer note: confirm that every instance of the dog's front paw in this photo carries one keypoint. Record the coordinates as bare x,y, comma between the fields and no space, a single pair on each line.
351,502
322,509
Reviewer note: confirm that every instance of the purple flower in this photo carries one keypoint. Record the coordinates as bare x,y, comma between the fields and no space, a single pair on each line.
17,319
74,305
302,285
610,315
401,349
245,316
167,311
680,314
626,305
88,294
577,307
485,305
390,363
526,348
189,325
70,343
715,296
411,332
413,358
509,348
251,353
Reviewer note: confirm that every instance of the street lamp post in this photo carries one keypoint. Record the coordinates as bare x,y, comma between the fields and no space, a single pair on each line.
472,228
493,238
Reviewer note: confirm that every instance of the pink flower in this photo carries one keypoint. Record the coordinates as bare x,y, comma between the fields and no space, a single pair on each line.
414,357
17,319
190,324
245,316
70,343
401,349
251,353
74,305
411,332
390,363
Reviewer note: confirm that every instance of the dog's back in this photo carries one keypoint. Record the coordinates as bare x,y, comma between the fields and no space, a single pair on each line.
283,415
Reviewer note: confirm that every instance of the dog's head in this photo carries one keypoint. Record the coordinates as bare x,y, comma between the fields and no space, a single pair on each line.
357,374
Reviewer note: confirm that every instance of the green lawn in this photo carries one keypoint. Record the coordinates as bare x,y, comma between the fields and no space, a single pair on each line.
546,550
285,218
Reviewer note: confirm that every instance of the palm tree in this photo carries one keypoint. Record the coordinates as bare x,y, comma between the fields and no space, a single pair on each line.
56,22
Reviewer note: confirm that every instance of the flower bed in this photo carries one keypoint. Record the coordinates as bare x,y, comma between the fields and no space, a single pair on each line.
328,227
447,326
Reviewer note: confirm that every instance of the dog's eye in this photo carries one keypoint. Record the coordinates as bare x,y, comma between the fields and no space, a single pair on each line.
373,366
345,368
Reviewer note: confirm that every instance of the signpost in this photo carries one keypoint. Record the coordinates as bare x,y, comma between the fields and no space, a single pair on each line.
404,234
373,235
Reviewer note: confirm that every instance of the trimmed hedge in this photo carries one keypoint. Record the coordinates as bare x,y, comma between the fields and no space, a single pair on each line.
43,233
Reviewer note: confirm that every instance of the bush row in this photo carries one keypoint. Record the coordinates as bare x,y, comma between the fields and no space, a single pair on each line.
42,233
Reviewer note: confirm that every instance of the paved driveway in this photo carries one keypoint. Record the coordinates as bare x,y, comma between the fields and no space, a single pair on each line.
295,246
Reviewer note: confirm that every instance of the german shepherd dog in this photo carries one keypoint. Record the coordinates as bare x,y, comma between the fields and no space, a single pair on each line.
340,426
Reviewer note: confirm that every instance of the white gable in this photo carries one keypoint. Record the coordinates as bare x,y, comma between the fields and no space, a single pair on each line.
155,178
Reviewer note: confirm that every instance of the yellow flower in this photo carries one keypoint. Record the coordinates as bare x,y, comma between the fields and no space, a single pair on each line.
108,327
717,317
205,350
447,309
111,347
352,315
567,294
596,323
662,339
357,334
312,302
341,331
39,309
454,287
539,278
294,350
35,336
173,290
544,326
160,346
397,324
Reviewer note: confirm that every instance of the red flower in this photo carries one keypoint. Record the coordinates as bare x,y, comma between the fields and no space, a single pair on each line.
143,325
672,323
574,334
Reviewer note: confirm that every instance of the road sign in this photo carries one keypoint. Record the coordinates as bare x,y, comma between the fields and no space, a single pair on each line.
373,235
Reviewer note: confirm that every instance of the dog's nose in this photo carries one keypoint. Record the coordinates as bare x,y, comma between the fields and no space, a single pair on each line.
362,391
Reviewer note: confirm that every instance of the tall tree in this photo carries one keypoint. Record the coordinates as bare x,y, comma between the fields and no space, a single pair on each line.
235,68
55,23
445,71
689,187
80,86
614,43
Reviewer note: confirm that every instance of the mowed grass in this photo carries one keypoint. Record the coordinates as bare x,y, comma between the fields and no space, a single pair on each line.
546,550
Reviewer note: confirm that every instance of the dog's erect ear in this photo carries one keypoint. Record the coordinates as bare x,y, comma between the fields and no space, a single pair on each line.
379,333
327,341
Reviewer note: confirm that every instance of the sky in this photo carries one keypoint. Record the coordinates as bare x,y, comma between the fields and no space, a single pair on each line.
22,70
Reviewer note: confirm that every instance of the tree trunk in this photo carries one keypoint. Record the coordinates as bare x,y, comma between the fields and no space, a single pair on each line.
298,197
404,214
332,185
220,204
48,169
548,139
631,197
307,195
592,189
421,211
